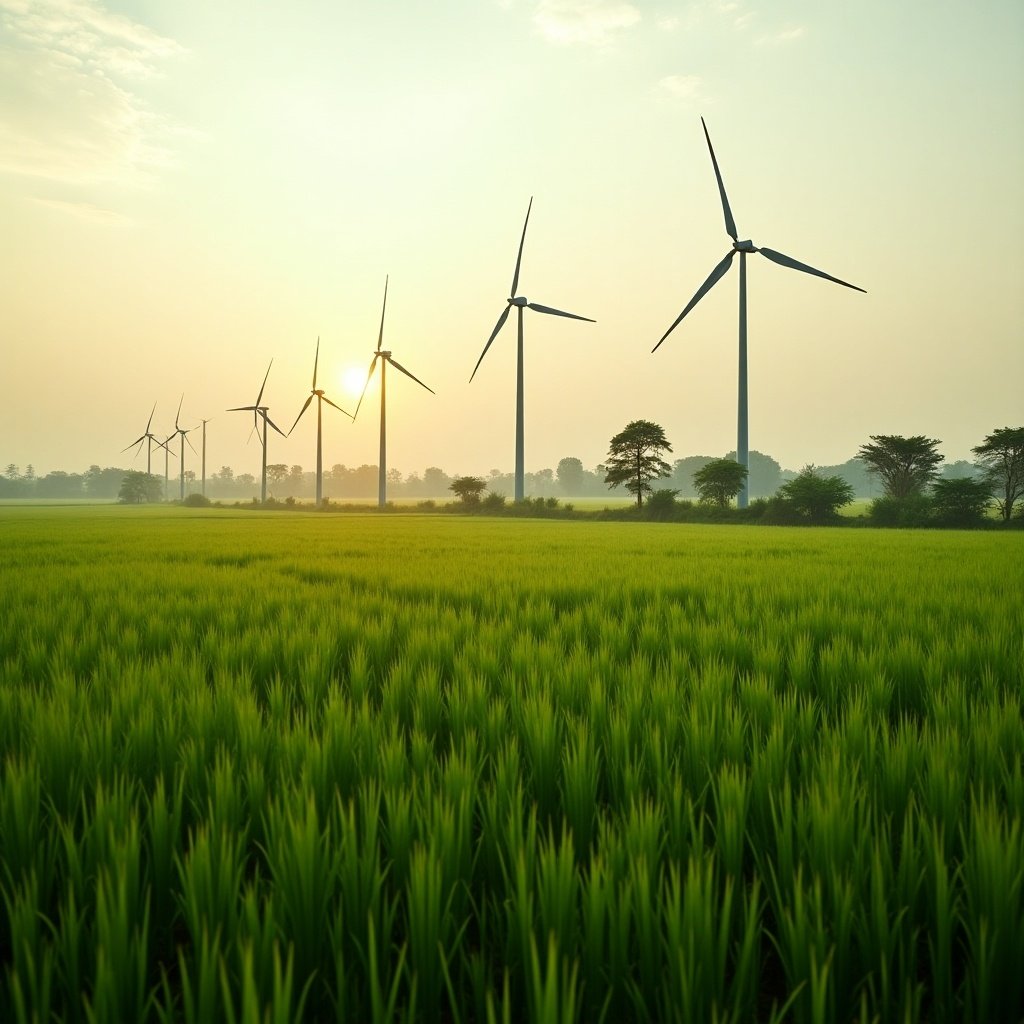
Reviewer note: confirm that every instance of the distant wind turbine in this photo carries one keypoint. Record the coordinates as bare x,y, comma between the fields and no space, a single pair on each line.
181,432
385,358
149,438
259,410
166,445
204,456
744,247
520,302
318,394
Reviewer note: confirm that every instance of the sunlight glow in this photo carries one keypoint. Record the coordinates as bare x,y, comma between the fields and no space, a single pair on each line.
353,379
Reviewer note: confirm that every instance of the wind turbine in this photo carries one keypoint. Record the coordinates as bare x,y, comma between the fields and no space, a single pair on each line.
149,438
258,410
744,247
318,394
204,456
520,302
180,431
385,358
166,445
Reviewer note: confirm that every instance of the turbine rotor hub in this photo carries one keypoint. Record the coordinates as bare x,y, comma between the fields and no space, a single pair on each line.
745,246
519,300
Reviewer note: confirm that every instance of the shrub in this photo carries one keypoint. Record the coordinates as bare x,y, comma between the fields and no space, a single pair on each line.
816,498
913,510
662,504
961,502
494,501
197,501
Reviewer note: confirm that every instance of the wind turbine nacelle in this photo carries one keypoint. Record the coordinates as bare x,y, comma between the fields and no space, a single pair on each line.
386,355
519,300
745,246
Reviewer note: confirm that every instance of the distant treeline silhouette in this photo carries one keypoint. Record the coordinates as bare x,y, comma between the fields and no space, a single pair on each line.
569,479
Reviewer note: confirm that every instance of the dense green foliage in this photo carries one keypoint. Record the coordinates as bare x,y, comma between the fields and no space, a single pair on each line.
815,497
960,502
468,769
719,481
904,465
635,458
1001,455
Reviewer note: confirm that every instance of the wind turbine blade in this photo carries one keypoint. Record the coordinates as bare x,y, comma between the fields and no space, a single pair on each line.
338,407
369,374
150,423
178,413
519,258
730,224
134,443
274,425
251,432
380,335
788,261
398,366
243,408
259,397
316,362
497,327
557,312
190,444
713,279
301,411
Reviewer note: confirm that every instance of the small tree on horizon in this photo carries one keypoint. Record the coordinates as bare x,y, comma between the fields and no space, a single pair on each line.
905,465
815,497
1001,455
634,458
138,487
961,501
719,481
468,489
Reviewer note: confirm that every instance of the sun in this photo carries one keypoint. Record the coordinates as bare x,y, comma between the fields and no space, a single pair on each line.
353,379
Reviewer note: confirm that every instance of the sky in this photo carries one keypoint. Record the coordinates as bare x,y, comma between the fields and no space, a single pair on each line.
189,190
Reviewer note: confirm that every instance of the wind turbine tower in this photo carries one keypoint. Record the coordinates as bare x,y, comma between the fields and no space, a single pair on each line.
520,303
743,248
384,357
261,411
318,394
183,434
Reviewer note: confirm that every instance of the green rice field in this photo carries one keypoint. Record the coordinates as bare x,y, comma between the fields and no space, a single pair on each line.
267,768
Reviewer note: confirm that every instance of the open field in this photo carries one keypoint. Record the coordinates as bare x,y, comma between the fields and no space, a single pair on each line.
362,768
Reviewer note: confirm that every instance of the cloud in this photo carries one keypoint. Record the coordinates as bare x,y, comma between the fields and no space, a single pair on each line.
680,87
786,35
583,22
86,211
70,109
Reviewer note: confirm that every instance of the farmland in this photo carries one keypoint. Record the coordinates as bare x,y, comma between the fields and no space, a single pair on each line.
364,768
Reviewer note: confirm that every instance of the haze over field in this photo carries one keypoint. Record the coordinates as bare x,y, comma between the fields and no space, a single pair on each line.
190,189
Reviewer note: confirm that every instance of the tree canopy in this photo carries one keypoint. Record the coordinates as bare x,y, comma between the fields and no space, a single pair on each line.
815,497
1001,455
719,481
960,501
634,458
905,465
137,487
468,488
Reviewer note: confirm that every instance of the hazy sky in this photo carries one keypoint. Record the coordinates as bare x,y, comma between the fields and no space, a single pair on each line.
188,189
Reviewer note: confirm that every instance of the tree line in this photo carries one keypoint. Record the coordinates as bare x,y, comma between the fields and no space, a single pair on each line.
908,470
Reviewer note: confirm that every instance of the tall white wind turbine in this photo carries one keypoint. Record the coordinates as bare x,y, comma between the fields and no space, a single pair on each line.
385,357
318,394
149,437
742,247
520,302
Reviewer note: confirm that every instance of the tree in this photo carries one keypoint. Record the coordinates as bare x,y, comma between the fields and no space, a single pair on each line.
1001,455
634,458
960,501
137,487
570,475
276,472
468,488
815,497
905,465
719,481
764,474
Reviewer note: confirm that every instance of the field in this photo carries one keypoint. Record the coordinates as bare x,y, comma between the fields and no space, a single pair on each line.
261,767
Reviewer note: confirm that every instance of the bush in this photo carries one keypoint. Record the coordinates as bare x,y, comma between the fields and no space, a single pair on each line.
961,502
426,504
815,498
913,510
494,501
197,501
661,504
